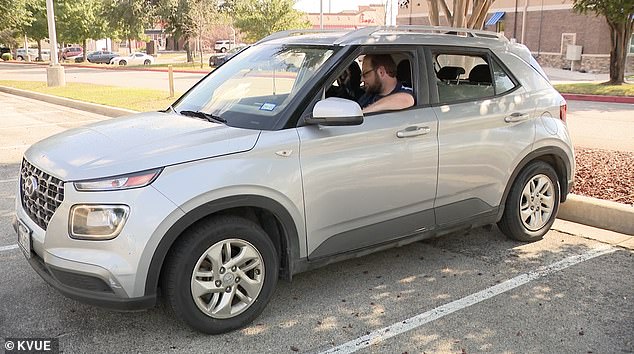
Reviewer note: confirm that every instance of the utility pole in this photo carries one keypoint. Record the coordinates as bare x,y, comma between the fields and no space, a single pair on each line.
321,14
54,72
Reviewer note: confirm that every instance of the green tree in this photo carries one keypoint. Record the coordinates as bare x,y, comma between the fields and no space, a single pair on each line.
78,21
128,19
620,17
259,18
188,19
37,28
14,16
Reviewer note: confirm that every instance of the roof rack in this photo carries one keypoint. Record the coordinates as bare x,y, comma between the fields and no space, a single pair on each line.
365,32
299,32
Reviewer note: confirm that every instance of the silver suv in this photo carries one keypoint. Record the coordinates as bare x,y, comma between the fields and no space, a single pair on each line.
263,170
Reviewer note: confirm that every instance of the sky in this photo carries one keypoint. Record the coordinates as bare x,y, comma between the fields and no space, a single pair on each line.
335,5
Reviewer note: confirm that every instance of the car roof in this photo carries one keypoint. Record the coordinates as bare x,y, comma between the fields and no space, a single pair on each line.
392,35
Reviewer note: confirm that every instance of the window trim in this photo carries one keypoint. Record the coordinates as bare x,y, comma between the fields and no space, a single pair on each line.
432,50
415,55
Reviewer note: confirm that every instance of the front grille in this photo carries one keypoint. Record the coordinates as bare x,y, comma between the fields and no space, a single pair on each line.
40,192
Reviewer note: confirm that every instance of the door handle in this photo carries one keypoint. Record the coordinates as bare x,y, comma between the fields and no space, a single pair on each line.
516,117
412,131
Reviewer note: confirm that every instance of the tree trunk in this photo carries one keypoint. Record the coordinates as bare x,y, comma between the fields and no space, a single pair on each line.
188,49
39,50
433,12
618,52
85,53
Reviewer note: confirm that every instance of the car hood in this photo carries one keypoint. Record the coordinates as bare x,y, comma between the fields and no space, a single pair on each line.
136,143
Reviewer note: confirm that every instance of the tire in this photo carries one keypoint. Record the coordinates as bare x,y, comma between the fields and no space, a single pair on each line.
20,58
146,62
532,203
223,49
197,251
123,62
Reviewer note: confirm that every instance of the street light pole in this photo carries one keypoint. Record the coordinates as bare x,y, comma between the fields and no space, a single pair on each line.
54,72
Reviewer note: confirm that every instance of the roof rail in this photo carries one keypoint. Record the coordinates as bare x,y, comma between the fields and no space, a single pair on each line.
365,32
299,32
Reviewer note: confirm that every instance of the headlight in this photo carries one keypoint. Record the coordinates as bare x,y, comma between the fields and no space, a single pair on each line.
132,180
97,222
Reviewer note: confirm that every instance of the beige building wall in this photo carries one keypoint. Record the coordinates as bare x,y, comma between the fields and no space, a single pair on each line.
371,15
550,26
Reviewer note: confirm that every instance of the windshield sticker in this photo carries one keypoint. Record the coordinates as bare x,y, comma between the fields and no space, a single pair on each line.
268,107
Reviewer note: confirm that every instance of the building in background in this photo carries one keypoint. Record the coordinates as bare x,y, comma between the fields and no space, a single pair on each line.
551,25
370,15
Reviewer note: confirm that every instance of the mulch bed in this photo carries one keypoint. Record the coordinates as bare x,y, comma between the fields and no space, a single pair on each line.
604,174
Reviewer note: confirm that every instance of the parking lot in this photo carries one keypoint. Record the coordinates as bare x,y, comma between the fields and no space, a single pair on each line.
464,293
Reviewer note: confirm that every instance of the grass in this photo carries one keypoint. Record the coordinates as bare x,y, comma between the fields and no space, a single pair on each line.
597,89
123,97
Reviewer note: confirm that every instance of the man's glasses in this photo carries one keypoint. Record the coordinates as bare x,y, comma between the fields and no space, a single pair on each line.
365,73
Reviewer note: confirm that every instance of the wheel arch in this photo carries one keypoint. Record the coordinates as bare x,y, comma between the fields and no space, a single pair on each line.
552,155
276,221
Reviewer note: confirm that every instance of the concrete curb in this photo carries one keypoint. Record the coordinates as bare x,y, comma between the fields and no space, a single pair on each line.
598,98
67,102
598,213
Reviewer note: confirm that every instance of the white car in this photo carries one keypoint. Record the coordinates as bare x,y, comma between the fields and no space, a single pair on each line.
133,59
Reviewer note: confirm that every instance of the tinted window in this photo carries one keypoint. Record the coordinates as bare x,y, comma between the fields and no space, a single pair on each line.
462,77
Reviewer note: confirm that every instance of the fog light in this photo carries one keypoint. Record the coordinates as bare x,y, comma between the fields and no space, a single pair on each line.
97,222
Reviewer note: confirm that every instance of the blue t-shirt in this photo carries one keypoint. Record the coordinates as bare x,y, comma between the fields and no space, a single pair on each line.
368,99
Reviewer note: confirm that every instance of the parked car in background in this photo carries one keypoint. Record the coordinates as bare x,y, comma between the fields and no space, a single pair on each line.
70,52
133,59
20,54
224,45
101,57
218,59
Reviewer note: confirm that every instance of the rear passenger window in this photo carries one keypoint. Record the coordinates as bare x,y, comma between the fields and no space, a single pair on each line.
463,77
503,82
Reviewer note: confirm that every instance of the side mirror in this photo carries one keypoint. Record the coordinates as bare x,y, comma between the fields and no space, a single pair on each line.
336,111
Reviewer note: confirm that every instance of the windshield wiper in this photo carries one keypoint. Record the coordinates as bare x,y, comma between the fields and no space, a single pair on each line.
206,116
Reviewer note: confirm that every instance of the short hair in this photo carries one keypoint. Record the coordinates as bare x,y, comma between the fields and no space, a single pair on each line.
384,60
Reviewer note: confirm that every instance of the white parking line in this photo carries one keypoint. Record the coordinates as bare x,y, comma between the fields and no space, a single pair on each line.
37,125
8,248
8,180
439,312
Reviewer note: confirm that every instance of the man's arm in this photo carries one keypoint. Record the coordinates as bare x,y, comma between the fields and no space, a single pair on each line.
393,102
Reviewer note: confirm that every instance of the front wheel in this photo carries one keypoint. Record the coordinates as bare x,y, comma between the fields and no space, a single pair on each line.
123,63
220,275
532,203
146,62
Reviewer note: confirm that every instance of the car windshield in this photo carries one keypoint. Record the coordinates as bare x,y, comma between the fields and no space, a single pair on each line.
253,89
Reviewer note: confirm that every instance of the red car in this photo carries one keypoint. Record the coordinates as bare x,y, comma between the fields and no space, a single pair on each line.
71,52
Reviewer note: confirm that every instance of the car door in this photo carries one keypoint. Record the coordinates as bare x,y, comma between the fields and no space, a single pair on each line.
484,125
371,183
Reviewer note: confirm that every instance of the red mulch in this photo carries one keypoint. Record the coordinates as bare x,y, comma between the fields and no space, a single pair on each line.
604,174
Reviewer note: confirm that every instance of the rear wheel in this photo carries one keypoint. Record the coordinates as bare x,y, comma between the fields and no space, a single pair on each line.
220,275
532,203
146,62
123,62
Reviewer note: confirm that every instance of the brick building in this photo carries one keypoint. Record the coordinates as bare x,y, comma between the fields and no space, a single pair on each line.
550,26
371,15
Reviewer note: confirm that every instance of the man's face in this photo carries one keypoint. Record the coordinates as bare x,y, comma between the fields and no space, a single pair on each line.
370,77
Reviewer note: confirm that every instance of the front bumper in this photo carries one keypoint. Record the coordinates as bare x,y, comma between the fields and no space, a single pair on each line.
109,273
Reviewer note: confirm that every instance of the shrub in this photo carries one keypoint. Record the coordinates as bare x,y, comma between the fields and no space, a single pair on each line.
6,56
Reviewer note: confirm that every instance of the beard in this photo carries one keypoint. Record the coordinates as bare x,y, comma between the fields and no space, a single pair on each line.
374,88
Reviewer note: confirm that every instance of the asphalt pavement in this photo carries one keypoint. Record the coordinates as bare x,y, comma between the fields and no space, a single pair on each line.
469,292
